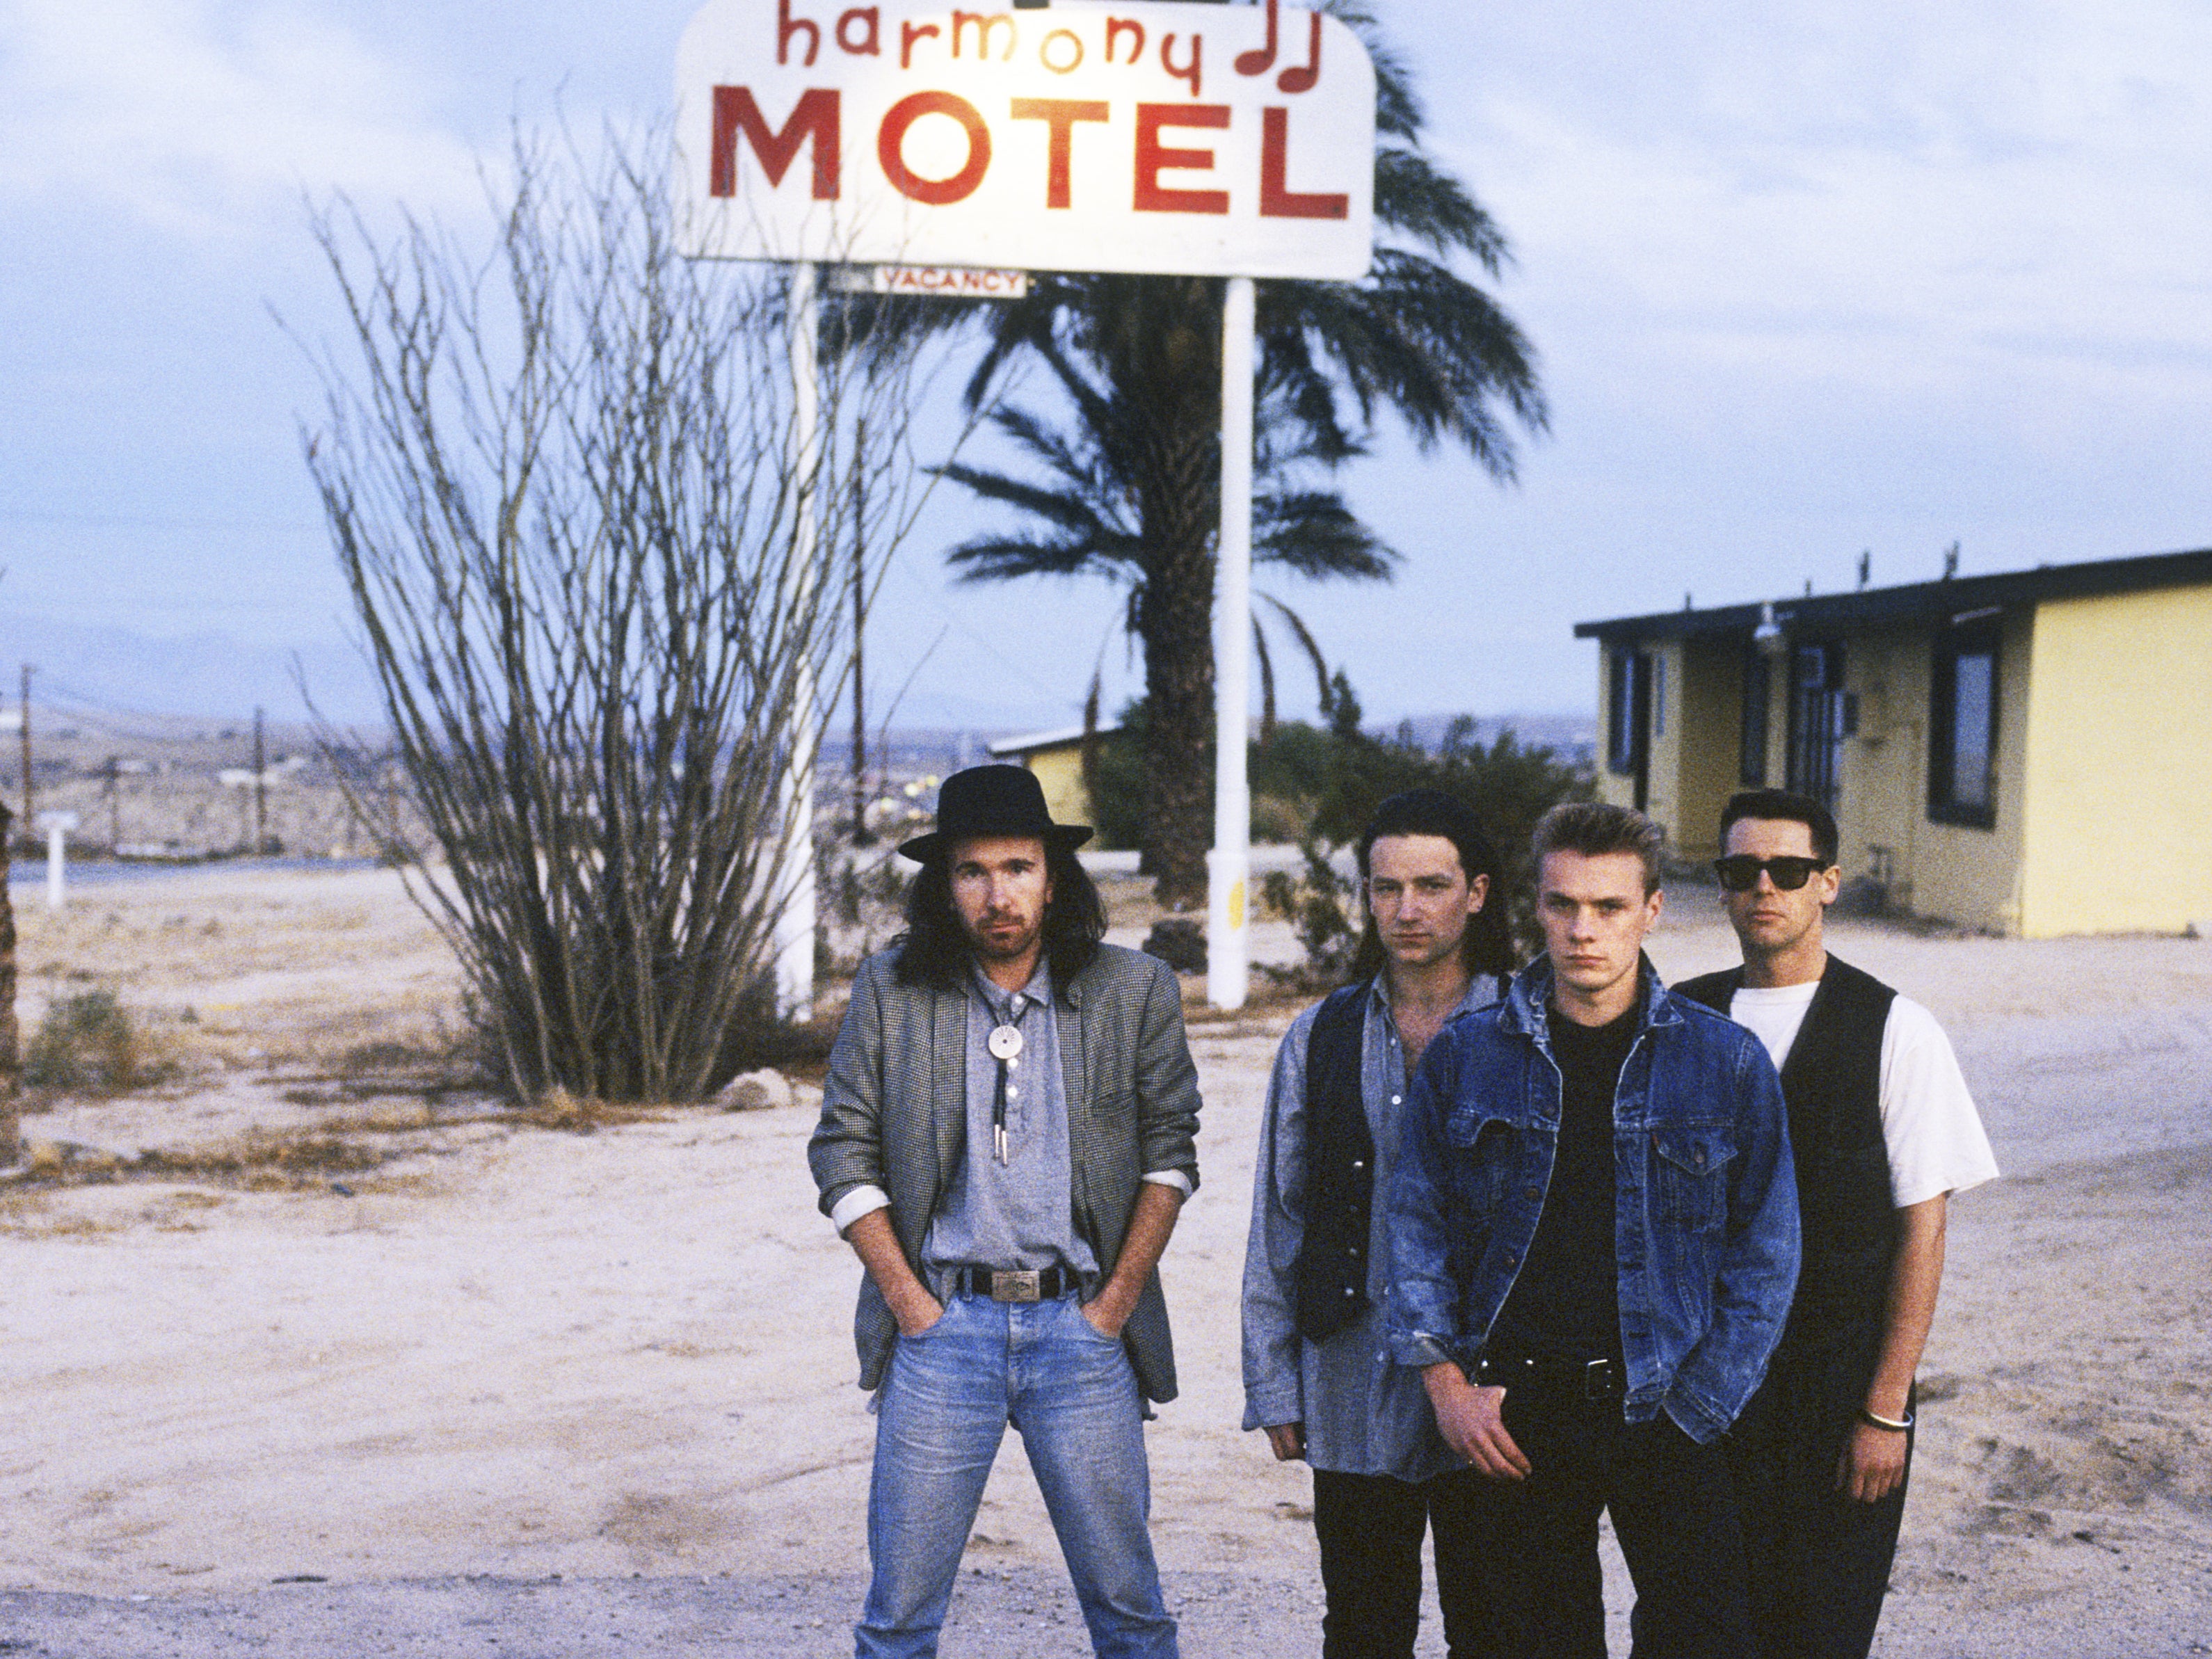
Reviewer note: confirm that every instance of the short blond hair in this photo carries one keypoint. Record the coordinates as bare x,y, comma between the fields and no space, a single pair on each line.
1594,828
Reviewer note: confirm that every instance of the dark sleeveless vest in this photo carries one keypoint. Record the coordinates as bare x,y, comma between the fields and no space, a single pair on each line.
1831,1083
1332,1267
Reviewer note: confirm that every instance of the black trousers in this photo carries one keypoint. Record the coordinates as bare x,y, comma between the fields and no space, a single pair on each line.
1819,1560
1673,1511
1371,1527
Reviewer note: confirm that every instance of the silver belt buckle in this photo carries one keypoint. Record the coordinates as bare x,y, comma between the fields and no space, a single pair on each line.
1023,1285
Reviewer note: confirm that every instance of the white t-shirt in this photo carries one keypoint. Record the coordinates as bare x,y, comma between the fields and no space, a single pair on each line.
1929,1123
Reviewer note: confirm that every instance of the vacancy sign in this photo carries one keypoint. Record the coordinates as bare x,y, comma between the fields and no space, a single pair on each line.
953,282
1142,137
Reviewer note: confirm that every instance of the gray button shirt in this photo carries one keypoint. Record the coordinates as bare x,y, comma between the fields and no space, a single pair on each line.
1020,1213
1363,1413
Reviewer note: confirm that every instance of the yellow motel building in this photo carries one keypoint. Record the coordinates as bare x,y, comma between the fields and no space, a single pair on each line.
2027,753
1057,757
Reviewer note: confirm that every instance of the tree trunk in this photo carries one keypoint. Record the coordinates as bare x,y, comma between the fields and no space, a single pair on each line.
1177,620
1179,354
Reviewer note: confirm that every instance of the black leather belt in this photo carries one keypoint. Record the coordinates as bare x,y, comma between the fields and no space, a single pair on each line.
1560,1379
1015,1284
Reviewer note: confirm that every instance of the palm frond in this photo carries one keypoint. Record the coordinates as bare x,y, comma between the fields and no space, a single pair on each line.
1316,534
1416,199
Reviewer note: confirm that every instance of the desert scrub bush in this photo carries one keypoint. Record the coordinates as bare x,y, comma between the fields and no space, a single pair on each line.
90,1043
1320,906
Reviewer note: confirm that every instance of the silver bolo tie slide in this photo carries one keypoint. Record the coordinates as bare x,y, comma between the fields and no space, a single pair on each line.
1005,1043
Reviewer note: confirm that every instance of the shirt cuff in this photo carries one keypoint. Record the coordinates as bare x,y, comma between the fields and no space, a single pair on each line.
863,1200
1175,1178
1418,1349
1266,1408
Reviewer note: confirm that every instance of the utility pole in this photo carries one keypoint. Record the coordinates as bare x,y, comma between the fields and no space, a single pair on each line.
861,835
28,820
114,807
260,791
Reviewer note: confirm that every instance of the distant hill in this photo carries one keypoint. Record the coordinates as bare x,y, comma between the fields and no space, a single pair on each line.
117,673
121,689
1568,734
917,751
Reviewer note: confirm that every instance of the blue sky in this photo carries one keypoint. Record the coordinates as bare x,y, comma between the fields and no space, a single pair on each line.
1806,280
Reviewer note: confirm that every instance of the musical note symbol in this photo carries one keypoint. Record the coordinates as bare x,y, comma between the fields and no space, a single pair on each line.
1259,63
1301,79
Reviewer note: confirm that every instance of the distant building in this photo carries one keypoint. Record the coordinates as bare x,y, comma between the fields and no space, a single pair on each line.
1057,757
2029,753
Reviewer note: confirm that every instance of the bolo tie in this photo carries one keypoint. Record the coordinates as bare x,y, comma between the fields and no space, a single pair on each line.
1004,1044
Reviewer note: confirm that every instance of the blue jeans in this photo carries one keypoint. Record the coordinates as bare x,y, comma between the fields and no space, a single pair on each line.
1072,1396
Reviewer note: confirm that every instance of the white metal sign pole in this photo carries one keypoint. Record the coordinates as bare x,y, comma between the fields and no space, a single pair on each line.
1229,866
795,921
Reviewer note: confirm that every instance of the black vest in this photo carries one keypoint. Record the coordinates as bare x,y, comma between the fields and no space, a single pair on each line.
1332,1268
1831,1082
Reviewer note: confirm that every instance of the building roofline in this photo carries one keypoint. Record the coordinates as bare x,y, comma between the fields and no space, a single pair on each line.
1920,601
1034,740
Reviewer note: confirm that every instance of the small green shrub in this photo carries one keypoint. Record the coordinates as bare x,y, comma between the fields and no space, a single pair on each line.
89,1042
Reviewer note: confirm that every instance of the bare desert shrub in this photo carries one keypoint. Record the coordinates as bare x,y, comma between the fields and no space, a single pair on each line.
584,492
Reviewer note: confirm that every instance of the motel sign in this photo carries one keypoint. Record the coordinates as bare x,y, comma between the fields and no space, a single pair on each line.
1085,136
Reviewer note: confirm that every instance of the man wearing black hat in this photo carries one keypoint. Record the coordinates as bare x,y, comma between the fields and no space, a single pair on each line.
1007,1136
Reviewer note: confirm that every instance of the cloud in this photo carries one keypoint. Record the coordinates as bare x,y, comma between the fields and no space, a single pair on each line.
1890,198
203,116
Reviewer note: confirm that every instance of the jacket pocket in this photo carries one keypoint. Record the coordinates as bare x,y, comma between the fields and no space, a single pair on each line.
1691,1174
1483,1147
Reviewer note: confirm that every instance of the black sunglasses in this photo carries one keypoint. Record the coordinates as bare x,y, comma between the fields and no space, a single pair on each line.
1739,871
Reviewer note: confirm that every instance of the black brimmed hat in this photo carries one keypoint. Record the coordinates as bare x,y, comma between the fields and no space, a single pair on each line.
993,800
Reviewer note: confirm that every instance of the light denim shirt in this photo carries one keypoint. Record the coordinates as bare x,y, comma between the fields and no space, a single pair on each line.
1363,1414
1019,1213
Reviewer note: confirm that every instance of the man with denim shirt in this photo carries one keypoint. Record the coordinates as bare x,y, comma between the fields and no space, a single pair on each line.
1594,1240
1318,1377
1007,1136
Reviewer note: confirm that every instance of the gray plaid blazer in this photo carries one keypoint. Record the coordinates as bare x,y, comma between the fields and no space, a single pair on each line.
894,1116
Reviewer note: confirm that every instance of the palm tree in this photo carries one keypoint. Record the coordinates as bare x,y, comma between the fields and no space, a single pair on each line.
1126,479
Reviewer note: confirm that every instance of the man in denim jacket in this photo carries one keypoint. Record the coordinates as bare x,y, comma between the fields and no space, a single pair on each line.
1594,1241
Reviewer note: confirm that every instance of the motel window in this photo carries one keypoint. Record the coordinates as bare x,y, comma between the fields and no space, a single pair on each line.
1751,744
1962,723
1628,710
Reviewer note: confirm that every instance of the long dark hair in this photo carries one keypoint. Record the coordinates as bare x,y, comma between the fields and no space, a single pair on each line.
934,949
1487,947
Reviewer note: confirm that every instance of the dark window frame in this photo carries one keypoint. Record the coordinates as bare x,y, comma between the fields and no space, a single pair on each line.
1625,708
1813,759
1972,636
1756,720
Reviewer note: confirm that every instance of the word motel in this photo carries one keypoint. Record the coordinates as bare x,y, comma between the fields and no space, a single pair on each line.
1085,136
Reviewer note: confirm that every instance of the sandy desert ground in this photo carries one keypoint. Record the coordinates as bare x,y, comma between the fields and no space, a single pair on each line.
472,1381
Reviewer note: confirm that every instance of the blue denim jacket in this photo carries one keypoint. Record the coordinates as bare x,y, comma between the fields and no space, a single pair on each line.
1705,1197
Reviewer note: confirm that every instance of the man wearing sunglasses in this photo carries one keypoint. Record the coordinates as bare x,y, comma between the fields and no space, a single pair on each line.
1883,1130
